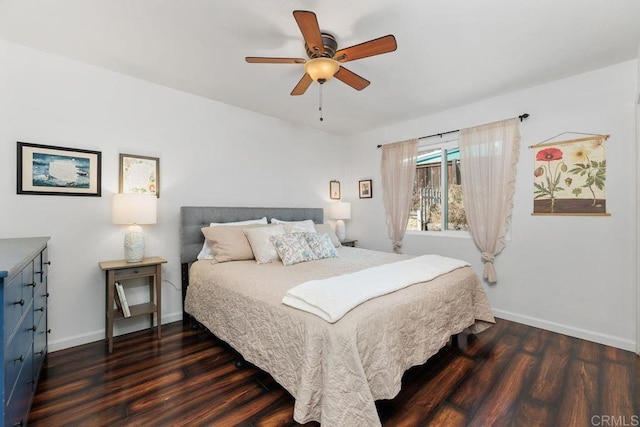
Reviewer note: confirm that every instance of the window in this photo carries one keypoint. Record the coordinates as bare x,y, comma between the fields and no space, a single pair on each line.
437,190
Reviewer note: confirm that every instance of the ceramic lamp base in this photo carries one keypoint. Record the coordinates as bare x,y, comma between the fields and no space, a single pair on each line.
134,244
341,232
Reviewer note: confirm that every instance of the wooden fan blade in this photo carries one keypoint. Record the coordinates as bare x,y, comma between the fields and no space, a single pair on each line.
351,78
372,47
302,85
310,30
262,60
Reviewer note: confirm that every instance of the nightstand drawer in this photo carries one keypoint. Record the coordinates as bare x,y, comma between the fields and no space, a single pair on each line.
126,273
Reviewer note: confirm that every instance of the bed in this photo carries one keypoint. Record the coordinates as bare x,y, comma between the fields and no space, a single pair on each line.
334,371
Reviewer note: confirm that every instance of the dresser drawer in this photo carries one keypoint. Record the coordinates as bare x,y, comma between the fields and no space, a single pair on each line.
40,267
16,299
39,345
19,401
40,302
17,351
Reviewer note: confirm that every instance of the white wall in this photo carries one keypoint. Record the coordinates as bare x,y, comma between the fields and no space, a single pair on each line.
574,275
210,154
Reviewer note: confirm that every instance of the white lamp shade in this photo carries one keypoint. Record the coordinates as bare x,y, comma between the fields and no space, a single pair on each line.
132,208
340,210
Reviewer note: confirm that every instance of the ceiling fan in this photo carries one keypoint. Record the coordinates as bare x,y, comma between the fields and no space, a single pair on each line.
325,58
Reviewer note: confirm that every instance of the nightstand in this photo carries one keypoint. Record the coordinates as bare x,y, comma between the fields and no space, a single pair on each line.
120,271
349,242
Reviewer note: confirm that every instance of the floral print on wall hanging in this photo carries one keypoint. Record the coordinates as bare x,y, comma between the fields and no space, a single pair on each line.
569,177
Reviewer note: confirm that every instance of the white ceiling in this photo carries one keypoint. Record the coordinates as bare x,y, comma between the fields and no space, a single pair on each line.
450,52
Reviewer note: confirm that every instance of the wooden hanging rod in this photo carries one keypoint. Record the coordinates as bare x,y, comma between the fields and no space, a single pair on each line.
568,141
440,134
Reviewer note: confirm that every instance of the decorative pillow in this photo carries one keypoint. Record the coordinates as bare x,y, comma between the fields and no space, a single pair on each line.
262,248
293,248
228,242
295,226
205,252
328,230
321,245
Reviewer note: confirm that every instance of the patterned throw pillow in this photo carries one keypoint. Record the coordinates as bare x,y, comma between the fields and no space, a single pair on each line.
293,248
321,245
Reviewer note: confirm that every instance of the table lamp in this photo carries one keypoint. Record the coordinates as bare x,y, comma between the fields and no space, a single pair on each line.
134,209
340,211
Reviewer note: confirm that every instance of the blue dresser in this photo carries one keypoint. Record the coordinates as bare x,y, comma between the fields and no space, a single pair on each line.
23,284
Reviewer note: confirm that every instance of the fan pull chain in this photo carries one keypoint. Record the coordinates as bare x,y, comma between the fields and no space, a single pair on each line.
320,107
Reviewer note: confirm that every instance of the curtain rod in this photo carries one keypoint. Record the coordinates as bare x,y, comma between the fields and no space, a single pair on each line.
521,117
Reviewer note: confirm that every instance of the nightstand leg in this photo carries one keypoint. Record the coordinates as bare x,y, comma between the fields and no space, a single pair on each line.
109,309
159,299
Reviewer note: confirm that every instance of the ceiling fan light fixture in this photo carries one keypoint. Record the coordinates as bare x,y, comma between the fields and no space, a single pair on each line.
321,69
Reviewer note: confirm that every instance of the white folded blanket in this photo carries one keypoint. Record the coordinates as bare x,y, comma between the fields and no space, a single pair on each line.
333,297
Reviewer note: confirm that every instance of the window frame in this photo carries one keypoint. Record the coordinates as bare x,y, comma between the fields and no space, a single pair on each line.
444,179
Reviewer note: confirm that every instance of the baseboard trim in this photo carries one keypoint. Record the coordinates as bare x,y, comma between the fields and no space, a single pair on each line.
584,334
68,342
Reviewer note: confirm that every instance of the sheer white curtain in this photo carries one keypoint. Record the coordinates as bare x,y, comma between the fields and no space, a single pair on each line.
398,169
488,158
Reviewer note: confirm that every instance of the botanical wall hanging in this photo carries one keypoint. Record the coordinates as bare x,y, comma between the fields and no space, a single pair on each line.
570,176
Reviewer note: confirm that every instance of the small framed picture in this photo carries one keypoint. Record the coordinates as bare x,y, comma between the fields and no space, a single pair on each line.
58,171
366,190
139,174
334,190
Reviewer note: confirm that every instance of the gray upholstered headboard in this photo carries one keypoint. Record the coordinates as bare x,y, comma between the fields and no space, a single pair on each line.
192,219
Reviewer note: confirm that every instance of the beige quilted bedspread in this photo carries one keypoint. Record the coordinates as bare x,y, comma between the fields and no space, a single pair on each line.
336,371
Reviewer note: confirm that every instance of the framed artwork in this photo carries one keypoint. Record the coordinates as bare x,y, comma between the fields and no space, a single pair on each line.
366,189
334,190
58,171
139,174
569,177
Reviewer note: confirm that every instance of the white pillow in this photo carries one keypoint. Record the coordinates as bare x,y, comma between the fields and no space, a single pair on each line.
263,249
205,252
305,226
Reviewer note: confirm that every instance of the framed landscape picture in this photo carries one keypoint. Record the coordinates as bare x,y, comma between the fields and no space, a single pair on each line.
366,189
58,171
139,174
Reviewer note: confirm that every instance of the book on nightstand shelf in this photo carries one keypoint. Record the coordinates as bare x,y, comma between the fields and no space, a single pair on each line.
117,305
123,300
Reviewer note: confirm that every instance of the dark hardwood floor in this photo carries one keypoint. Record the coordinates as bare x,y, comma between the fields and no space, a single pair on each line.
511,374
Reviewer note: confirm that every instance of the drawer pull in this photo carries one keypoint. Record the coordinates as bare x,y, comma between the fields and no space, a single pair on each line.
21,302
47,295
47,262
32,284
19,359
41,352
48,331
136,271
33,328
39,309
